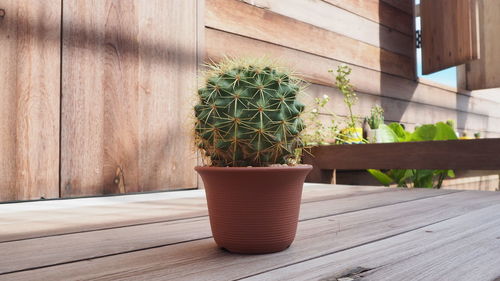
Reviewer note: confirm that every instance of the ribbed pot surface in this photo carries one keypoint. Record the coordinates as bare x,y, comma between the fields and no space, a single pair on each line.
254,210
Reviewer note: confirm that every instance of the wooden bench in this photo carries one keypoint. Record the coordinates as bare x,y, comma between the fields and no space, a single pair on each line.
477,154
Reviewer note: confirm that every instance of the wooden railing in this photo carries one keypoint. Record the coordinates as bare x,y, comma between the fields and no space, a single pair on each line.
477,154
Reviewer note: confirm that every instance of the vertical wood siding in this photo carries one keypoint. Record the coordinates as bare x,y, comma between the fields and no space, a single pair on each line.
129,71
29,99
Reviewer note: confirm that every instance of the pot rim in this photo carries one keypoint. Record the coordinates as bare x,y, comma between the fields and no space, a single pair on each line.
255,169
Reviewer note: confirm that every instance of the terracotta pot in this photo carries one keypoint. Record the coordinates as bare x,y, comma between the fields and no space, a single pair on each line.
254,210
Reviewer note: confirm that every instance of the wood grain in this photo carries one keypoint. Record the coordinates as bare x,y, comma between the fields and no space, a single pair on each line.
127,73
479,154
93,244
448,34
346,23
462,248
50,218
315,69
483,73
322,236
240,18
403,5
29,109
380,12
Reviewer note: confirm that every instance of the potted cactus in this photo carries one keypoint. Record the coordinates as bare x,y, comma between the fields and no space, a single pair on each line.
248,128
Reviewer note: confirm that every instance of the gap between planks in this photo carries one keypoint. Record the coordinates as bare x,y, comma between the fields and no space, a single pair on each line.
310,211
408,216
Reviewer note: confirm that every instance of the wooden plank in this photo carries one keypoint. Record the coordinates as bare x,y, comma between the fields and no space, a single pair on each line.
82,246
314,69
380,12
344,23
448,34
462,248
483,73
316,237
240,18
397,110
29,110
126,73
403,5
48,218
479,154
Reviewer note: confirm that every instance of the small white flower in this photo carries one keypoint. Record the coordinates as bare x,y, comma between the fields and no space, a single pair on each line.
314,110
325,96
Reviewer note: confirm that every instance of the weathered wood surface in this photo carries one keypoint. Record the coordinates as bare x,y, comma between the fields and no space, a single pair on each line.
39,219
483,73
477,154
449,36
29,99
247,20
346,23
129,71
404,100
379,11
394,234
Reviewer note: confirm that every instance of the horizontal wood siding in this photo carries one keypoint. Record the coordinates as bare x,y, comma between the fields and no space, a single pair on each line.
404,100
254,22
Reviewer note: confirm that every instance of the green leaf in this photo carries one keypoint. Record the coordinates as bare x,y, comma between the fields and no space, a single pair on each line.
424,133
386,134
400,132
451,173
381,177
444,132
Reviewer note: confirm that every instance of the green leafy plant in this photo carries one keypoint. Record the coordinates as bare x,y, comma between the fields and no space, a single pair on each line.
248,114
413,177
376,117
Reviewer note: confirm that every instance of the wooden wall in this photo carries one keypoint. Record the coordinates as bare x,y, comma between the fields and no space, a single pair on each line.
374,37
29,101
128,78
96,94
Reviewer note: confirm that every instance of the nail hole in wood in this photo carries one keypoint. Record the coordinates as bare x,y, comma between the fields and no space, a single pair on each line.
2,13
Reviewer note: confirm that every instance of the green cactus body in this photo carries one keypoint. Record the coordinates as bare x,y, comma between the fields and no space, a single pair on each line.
248,114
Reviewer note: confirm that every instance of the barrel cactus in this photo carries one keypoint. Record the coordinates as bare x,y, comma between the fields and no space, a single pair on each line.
248,113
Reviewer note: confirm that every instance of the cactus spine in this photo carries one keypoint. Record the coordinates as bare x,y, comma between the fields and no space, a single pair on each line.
248,114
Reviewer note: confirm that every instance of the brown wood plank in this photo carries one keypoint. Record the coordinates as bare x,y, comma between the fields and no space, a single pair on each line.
29,107
200,259
483,73
315,69
462,248
380,12
81,246
480,154
403,5
365,30
127,71
50,218
240,18
448,34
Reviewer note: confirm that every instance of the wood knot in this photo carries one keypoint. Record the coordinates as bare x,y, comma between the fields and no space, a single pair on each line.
2,13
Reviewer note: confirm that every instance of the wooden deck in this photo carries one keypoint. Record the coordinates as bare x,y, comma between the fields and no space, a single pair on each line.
345,233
